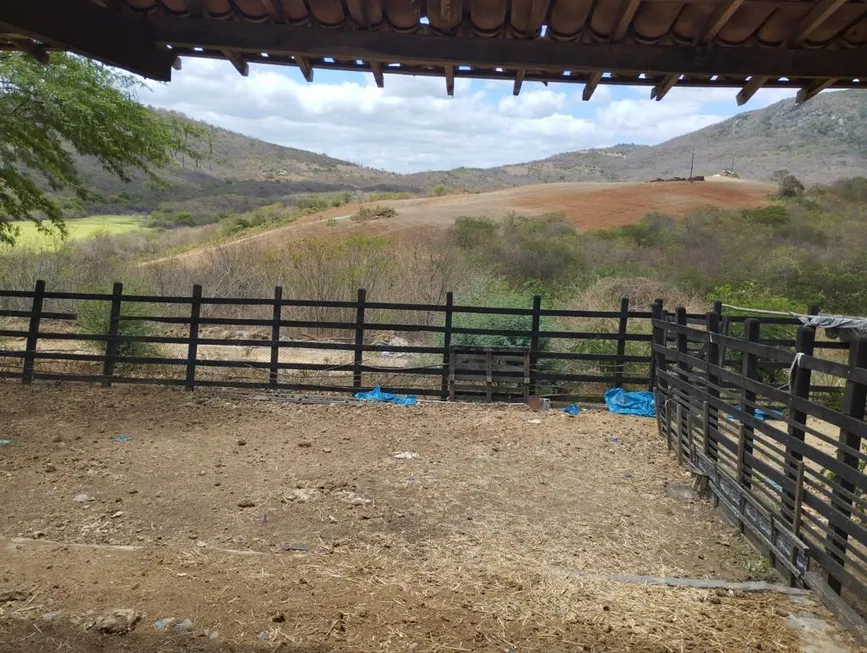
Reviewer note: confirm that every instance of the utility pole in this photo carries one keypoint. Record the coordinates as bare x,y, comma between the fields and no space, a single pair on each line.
691,166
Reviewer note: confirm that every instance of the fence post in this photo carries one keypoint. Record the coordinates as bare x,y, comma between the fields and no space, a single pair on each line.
447,343
682,348
714,351
799,386
717,307
111,344
359,339
813,309
275,338
534,341
750,369
193,347
33,332
655,314
854,402
621,342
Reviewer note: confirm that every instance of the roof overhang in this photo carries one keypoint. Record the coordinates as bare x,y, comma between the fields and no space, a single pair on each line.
809,45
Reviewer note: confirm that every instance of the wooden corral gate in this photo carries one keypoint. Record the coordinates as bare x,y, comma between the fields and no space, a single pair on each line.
493,371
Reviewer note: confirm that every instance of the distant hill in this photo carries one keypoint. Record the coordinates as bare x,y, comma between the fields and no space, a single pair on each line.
820,141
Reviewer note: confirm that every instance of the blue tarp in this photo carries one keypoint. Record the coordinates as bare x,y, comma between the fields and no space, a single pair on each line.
630,403
378,395
572,409
761,415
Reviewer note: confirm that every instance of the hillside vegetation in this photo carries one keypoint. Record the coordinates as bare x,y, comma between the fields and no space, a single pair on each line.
811,248
820,141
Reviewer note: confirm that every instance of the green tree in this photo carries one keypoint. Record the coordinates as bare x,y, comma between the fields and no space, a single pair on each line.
48,114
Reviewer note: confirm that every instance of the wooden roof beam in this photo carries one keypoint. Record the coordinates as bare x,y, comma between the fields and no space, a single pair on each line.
717,21
818,15
303,64
276,11
89,30
627,13
35,50
750,88
519,81
813,89
545,55
238,61
590,86
376,69
450,79
663,87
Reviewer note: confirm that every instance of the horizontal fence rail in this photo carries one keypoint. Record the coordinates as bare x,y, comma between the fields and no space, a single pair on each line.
788,468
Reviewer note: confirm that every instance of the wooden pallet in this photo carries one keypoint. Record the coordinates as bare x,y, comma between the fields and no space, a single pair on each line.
489,372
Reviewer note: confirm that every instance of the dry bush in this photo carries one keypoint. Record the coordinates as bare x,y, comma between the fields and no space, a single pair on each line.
605,295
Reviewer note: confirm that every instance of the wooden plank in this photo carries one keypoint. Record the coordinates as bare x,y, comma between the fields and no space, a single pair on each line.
92,31
622,327
358,356
448,364
590,85
820,12
273,375
717,21
303,64
854,404
750,370
449,72
376,69
193,346
35,50
111,343
814,89
537,55
663,87
799,385
534,341
627,13
238,61
519,80
33,332
751,88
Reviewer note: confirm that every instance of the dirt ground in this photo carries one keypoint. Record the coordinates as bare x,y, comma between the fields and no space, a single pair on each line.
587,205
271,525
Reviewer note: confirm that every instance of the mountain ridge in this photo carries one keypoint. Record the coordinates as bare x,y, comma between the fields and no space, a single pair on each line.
822,140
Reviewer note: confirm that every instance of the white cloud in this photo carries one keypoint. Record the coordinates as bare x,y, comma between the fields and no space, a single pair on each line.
413,125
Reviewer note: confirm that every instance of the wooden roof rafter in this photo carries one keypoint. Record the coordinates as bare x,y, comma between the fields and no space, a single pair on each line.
807,45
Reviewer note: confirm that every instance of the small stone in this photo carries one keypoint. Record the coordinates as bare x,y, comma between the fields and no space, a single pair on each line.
82,498
116,622
246,503
50,468
241,442
264,636
132,491
49,616
13,595
213,635
162,624
38,534
326,450
304,444
680,492
184,627
119,513
278,618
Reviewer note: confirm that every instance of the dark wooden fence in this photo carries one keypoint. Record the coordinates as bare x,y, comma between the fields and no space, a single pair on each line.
795,481
605,349
39,320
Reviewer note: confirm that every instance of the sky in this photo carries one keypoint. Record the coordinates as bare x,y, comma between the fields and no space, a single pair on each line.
412,125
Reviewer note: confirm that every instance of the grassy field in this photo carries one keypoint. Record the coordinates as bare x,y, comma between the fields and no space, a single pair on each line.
78,229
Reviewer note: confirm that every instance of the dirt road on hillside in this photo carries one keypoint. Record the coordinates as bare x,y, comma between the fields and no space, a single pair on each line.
586,205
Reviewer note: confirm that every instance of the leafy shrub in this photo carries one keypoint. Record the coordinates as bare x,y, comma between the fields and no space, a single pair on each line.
373,213
94,318
469,232
790,186
771,215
